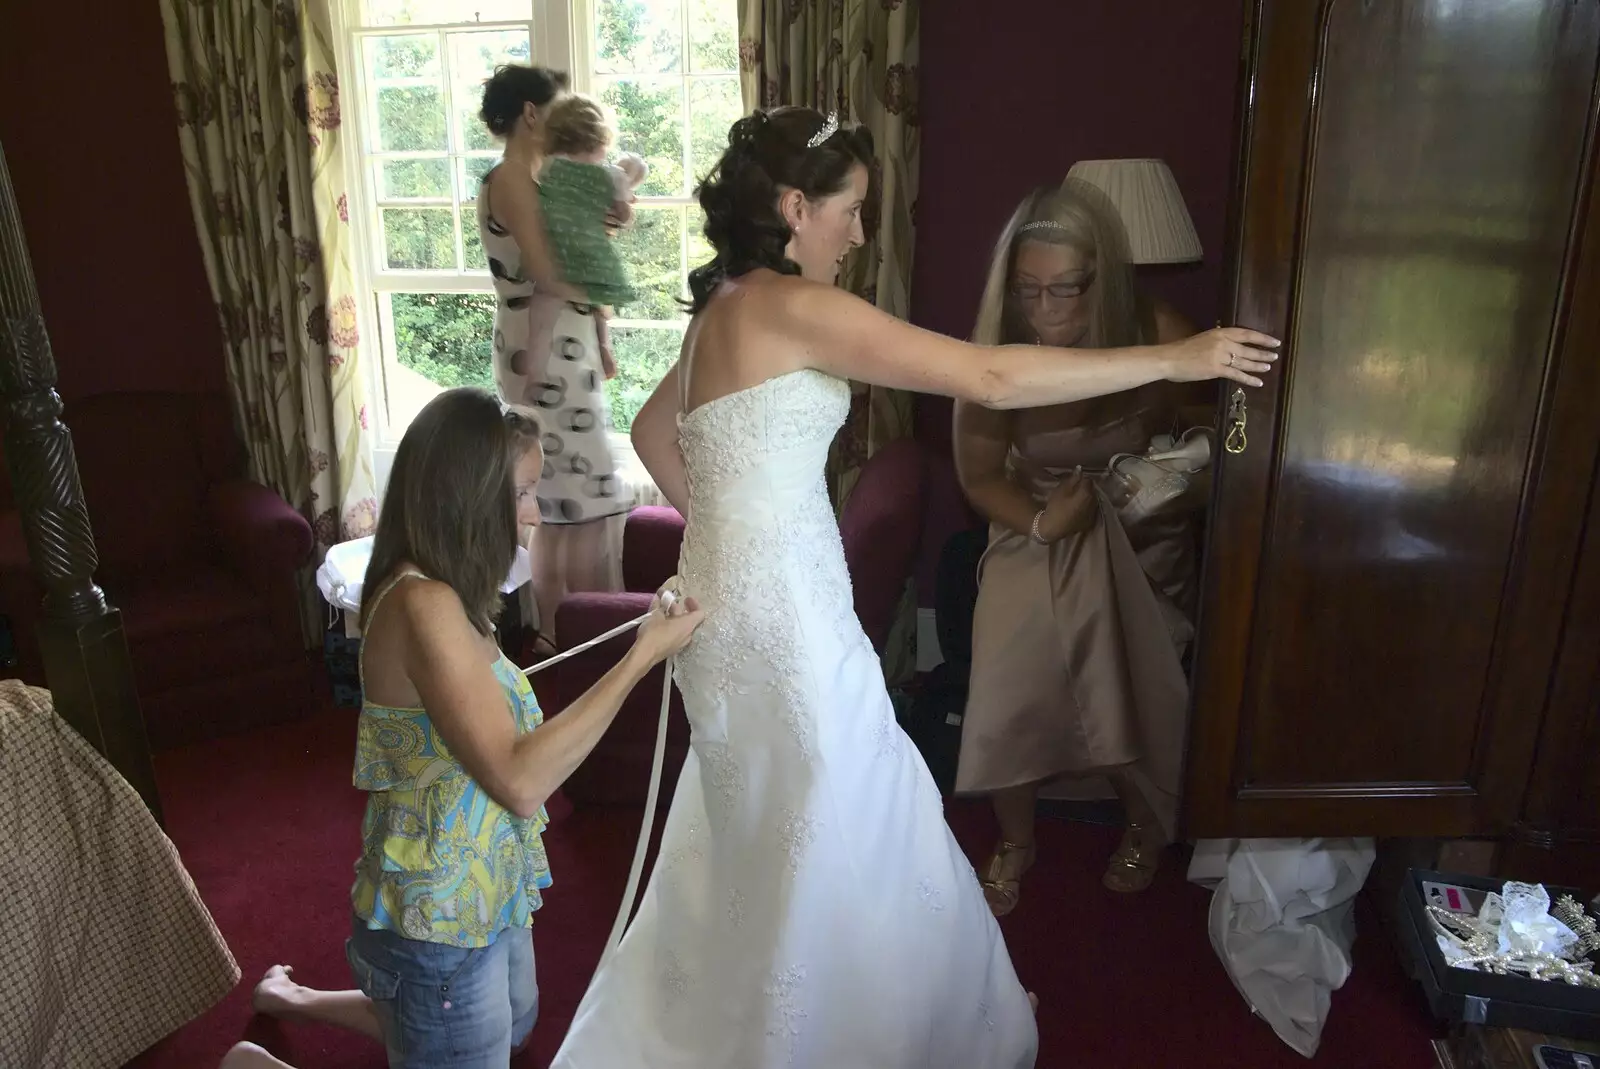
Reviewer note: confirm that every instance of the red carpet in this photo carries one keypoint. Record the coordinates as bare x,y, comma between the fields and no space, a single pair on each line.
268,823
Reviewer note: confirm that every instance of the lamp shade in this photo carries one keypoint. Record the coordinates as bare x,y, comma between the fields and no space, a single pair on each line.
1145,193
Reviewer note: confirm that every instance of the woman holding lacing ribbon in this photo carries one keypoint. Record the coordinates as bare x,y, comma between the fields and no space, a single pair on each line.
454,754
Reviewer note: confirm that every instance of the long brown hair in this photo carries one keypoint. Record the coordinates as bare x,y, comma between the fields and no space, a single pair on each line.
1082,216
450,507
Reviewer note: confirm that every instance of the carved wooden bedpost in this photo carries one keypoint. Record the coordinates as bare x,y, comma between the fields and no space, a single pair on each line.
85,653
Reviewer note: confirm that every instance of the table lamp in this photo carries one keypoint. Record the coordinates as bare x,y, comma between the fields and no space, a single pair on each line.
1146,195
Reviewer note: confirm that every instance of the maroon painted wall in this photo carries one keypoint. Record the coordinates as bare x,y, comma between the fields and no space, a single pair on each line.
90,137
1012,96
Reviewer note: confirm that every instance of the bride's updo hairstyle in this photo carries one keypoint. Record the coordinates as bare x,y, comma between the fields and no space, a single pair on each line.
769,152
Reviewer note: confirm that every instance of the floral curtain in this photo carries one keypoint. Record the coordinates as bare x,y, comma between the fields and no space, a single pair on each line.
258,123
858,58
347,498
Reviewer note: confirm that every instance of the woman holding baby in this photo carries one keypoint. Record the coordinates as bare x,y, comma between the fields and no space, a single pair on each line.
542,217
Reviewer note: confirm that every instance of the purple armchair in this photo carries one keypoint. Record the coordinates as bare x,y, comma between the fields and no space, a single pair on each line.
617,772
880,527
201,562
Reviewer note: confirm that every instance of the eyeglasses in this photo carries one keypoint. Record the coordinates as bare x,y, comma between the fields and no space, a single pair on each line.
1028,291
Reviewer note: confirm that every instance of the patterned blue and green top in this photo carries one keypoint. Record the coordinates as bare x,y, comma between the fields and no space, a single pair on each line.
441,861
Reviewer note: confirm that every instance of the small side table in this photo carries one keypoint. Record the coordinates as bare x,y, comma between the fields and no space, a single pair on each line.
1472,1046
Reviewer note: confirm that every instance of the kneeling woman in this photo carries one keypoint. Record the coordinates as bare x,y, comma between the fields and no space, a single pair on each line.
452,865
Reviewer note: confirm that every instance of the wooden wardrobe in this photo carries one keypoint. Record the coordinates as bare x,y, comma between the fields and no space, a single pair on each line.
1400,631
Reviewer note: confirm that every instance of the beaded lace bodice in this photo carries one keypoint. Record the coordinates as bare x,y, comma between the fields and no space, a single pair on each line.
761,550
728,437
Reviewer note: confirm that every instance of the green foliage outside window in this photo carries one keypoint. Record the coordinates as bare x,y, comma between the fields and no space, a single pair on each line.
640,62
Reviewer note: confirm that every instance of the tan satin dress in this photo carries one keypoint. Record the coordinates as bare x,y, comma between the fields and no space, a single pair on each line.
1077,646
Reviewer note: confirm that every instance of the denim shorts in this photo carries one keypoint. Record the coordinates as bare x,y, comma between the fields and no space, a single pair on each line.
441,1005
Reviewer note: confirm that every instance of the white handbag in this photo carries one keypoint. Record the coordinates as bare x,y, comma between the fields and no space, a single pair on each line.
1142,485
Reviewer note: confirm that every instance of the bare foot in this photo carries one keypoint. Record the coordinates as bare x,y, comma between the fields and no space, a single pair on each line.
277,995
1033,1000
249,1056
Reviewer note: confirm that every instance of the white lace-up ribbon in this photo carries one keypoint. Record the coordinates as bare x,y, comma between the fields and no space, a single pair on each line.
636,870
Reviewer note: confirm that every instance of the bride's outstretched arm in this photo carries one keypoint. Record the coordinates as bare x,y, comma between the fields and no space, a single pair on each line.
845,336
655,440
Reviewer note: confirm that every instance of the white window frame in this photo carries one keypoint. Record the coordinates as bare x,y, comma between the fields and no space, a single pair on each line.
554,30
561,37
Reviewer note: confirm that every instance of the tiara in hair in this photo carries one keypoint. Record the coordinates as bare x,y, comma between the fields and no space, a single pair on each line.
830,126
1040,224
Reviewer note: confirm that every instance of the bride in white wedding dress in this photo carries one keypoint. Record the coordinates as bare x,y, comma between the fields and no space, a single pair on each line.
809,906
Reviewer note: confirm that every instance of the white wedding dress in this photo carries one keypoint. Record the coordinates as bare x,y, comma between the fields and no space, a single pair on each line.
809,906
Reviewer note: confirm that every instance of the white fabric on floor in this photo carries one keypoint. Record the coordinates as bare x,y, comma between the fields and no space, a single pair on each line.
1281,922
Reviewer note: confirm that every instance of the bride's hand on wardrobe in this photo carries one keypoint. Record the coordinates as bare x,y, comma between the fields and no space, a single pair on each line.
1222,353
668,630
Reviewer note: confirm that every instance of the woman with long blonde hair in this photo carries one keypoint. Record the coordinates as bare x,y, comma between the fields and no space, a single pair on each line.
1080,623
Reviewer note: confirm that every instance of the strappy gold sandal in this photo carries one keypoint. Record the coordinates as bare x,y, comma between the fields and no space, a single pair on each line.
1000,890
1133,866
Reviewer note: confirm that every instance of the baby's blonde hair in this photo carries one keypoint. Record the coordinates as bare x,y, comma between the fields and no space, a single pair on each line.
576,124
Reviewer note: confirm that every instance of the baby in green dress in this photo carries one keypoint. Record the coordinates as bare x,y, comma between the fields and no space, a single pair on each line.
579,193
